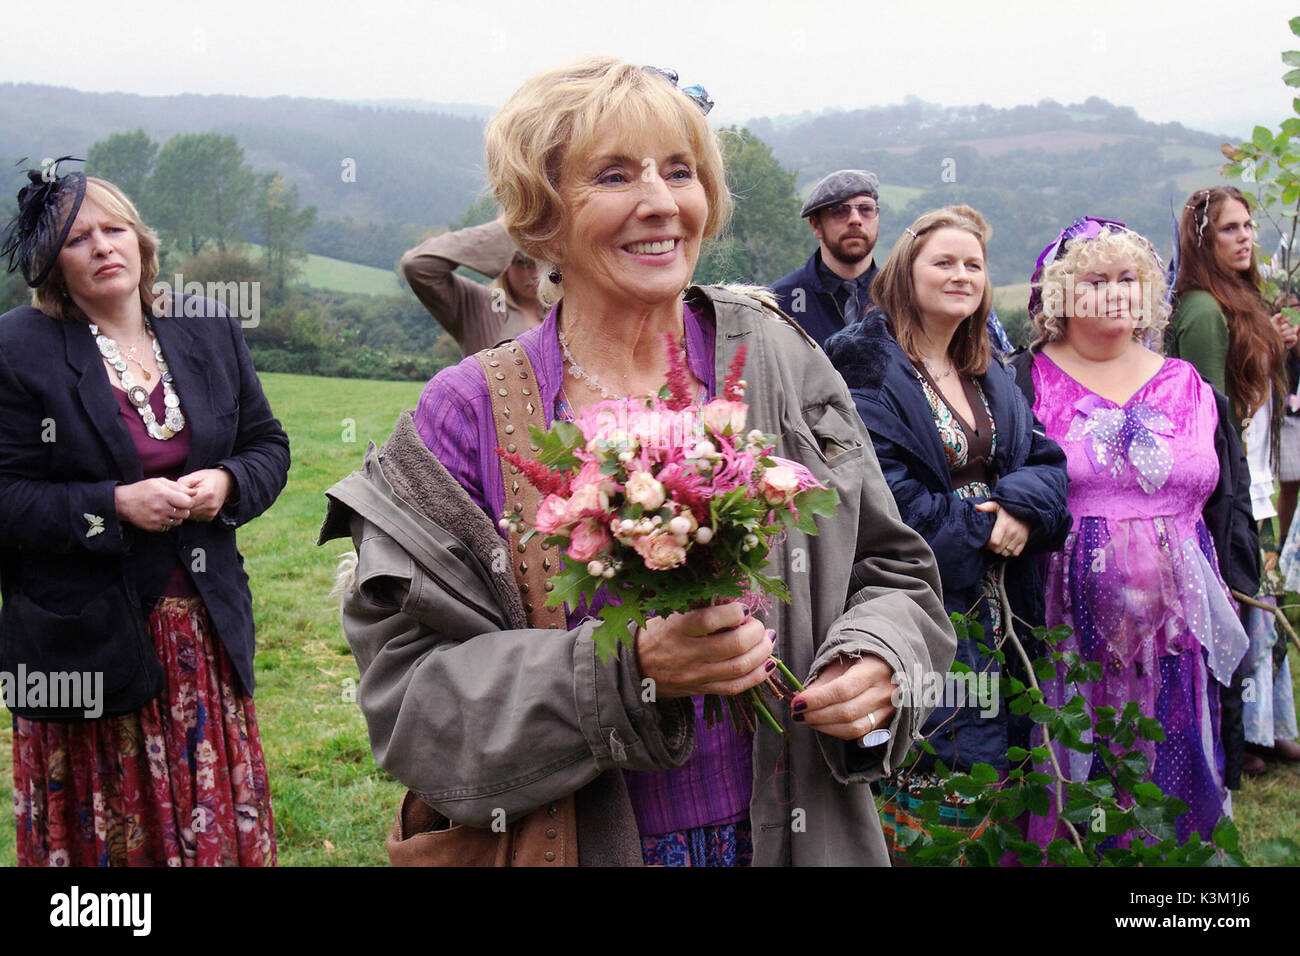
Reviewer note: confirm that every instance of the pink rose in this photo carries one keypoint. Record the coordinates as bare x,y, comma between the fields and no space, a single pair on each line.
779,484
586,502
725,418
645,490
590,474
552,515
660,551
587,540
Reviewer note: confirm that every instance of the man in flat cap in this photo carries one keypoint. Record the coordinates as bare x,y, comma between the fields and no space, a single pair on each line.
833,288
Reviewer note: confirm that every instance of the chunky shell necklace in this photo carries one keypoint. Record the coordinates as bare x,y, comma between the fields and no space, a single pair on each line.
136,393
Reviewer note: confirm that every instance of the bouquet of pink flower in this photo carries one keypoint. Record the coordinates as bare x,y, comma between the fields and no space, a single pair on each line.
665,505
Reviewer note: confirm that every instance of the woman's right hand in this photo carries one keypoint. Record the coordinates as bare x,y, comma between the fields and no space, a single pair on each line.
713,650
155,504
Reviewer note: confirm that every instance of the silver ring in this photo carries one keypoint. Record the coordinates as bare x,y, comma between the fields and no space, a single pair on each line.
871,716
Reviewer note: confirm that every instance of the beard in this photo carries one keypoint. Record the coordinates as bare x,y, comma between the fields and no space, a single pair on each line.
851,256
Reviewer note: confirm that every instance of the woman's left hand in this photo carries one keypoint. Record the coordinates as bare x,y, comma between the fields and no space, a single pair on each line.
208,488
1009,534
1290,334
849,698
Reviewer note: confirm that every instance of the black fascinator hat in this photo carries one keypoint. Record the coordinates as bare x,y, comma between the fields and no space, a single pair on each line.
47,207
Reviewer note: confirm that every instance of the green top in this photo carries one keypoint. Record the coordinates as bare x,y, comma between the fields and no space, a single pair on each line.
1198,333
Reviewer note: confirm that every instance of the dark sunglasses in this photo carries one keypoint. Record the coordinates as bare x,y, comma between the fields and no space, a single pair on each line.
841,211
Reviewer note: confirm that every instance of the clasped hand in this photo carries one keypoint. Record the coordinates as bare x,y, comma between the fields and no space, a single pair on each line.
159,504
1009,535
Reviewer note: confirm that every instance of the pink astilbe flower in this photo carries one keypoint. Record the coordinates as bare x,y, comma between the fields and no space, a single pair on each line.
731,389
546,480
680,393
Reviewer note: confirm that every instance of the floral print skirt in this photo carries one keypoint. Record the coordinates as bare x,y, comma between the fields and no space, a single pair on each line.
180,783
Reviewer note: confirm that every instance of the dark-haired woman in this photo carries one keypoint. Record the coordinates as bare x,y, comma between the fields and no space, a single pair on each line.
1223,326
968,465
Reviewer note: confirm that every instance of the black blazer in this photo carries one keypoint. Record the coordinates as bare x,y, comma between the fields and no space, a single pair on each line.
76,596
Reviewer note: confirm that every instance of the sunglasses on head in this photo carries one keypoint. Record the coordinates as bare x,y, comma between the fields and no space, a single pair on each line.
695,93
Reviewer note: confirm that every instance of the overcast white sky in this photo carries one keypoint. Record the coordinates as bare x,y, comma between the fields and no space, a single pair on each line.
1183,60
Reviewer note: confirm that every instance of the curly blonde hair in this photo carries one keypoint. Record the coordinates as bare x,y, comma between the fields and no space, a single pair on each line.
560,115
1081,256
52,297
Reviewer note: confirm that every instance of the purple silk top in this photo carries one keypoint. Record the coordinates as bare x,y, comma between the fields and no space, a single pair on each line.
159,459
454,417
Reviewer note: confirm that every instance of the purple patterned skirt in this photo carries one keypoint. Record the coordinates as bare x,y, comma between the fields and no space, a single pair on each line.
1162,625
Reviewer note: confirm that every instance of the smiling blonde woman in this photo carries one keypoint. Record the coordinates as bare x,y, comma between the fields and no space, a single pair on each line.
610,175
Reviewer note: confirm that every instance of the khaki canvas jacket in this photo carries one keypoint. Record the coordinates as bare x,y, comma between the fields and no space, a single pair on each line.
476,316
477,713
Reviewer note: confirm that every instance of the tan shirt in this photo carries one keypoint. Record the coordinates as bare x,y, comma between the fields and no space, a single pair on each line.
476,316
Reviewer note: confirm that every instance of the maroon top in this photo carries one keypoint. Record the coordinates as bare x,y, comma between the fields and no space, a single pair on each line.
160,459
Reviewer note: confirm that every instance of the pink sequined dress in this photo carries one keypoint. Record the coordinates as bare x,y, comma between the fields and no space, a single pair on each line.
1138,581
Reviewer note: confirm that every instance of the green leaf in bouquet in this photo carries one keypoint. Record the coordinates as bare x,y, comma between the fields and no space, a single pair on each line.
611,467
613,629
556,446
570,585
772,586
812,502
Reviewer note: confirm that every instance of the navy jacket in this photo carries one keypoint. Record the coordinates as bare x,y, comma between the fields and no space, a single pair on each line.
1028,479
77,597
819,315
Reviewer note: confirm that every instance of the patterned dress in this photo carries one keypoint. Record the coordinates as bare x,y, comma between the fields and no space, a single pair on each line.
181,782
1138,580
968,452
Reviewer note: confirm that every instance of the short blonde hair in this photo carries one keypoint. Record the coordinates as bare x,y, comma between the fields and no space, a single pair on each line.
1081,255
893,292
51,296
560,114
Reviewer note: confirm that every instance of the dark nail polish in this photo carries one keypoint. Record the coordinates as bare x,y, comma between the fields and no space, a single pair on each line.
770,666
798,718
799,705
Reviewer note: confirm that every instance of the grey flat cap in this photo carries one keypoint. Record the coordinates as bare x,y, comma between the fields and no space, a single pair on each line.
841,185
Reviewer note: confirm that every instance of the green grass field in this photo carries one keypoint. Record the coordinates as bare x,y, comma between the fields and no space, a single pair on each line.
335,275
332,805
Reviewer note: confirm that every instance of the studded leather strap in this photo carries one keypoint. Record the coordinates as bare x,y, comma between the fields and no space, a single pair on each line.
549,835
517,404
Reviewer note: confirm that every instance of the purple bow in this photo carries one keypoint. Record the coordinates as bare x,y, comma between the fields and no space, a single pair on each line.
1135,436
